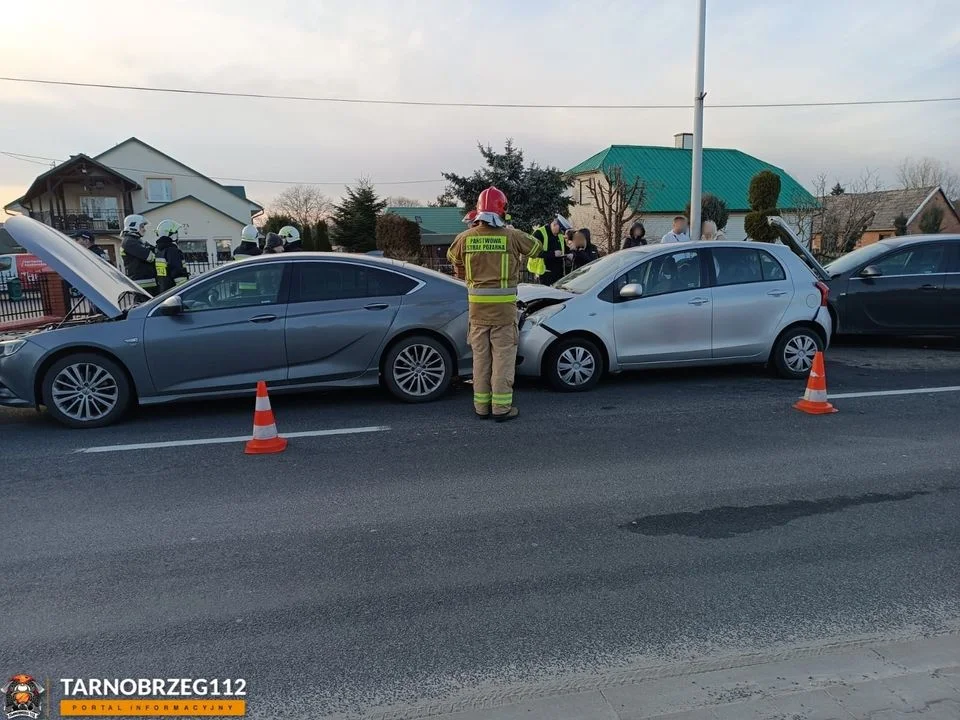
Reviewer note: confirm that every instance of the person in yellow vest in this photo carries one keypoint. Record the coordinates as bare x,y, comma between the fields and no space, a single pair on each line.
488,257
549,266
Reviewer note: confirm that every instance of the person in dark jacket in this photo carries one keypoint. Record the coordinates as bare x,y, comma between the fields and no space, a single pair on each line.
274,244
636,237
291,239
88,240
249,243
171,270
138,257
552,241
583,250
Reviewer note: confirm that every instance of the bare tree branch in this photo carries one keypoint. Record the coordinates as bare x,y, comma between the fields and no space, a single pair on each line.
928,172
402,201
617,204
304,203
846,217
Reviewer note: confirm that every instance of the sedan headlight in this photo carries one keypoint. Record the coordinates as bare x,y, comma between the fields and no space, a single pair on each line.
546,313
10,347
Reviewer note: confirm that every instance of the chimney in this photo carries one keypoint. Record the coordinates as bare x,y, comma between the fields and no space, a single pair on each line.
683,141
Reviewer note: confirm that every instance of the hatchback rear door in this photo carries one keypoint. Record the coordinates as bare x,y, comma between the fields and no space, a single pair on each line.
751,293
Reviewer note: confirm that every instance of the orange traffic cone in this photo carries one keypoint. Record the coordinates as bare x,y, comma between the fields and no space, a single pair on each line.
265,439
814,400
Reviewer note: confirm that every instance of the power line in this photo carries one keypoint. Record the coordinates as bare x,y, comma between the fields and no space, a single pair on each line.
45,161
453,104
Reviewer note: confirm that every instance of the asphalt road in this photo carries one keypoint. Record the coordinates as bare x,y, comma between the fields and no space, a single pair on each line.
663,517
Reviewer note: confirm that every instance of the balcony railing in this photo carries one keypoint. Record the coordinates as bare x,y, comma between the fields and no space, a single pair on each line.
98,221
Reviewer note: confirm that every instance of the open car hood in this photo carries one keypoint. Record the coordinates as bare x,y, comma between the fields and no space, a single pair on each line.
97,280
527,292
790,239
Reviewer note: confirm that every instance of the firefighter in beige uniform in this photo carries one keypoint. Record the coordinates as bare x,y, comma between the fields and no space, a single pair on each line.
488,257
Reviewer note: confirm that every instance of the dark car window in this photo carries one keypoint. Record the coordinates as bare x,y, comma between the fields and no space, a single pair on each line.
735,266
772,269
342,281
916,260
243,287
674,272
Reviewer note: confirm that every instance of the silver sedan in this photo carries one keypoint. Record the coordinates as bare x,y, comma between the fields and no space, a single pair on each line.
298,321
680,305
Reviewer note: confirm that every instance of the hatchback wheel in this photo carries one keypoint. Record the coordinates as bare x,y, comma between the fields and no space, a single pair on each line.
794,352
574,365
418,369
86,391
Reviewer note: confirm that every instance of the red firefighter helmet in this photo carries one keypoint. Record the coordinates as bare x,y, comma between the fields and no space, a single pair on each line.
470,217
493,201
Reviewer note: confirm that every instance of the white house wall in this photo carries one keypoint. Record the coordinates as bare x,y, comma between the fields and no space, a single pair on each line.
139,162
204,224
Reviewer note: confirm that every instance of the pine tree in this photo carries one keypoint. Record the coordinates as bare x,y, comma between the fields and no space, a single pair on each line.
355,218
535,194
900,224
838,189
931,222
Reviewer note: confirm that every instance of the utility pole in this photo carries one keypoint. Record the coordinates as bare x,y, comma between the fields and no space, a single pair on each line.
696,177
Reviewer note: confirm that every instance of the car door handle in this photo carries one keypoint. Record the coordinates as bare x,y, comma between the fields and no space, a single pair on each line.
929,286
699,301
263,318
376,306
777,293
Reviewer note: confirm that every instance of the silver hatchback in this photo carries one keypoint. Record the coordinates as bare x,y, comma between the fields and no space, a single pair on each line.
675,305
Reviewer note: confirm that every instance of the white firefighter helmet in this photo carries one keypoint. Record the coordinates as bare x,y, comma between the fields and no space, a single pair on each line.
170,228
250,233
289,233
135,224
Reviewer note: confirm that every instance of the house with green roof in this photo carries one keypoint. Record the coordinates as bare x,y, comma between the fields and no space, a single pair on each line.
665,171
438,225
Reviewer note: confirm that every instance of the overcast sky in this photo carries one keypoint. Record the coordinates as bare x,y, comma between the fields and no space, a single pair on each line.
534,51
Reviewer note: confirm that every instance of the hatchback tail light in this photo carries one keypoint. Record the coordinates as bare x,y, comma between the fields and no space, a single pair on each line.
824,292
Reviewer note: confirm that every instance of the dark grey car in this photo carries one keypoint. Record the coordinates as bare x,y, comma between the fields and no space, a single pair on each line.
299,321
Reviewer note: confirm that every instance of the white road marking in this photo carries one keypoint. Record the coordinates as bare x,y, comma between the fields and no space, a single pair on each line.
882,393
225,440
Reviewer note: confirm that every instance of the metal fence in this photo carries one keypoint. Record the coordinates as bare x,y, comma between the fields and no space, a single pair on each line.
38,299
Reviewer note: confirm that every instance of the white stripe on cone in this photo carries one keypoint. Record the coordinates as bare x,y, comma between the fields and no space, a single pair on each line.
263,403
815,396
264,432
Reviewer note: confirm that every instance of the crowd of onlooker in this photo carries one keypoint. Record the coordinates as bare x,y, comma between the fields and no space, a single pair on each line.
679,233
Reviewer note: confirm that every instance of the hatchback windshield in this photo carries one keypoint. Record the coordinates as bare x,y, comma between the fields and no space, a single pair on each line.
582,279
848,262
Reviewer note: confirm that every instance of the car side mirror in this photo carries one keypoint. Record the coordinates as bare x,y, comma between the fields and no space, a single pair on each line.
871,271
171,306
631,290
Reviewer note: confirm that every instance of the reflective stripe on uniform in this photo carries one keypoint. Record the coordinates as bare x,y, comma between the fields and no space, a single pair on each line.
161,267
482,398
492,298
493,291
504,269
504,399
180,281
147,283
537,248
469,272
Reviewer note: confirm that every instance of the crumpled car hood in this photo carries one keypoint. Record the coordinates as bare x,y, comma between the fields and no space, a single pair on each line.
527,292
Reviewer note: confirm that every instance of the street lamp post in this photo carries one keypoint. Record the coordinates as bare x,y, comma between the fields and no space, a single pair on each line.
696,176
